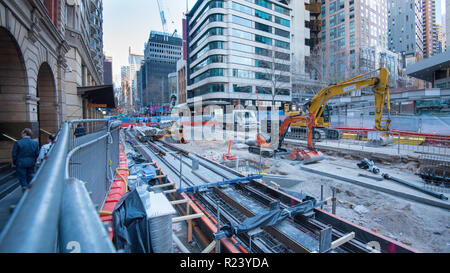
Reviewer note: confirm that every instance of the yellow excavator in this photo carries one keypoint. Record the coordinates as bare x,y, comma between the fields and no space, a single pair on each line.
319,108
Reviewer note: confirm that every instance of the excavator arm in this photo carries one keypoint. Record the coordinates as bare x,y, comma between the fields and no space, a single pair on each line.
381,90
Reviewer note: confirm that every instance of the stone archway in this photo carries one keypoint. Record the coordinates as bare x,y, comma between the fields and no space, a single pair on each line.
47,105
13,93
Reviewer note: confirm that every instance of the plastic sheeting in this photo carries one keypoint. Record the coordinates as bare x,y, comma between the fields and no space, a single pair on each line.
143,222
271,218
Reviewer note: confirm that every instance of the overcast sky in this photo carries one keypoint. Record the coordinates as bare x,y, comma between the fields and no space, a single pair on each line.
128,24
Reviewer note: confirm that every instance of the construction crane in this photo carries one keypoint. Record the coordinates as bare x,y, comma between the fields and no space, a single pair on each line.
264,144
162,13
319,108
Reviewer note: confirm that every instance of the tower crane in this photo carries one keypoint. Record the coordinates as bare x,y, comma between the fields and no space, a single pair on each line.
162,13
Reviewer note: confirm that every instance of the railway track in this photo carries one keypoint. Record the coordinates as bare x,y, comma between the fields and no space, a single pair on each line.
233,204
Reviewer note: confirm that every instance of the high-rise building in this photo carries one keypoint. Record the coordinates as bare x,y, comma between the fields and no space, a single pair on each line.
134,62
440,39
126,98
429,29
405,32
243,51
107,70
447,24
162,51
354,39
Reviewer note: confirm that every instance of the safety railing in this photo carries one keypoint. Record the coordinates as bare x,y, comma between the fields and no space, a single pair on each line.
404,143
59,211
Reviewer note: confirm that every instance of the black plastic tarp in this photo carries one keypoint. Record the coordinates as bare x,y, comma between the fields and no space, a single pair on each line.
131,229
271,218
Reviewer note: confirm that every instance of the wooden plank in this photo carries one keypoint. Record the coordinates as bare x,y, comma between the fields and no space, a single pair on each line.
343,240
179,202
187,217
209,248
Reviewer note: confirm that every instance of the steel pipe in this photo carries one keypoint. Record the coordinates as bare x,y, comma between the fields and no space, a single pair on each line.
432,193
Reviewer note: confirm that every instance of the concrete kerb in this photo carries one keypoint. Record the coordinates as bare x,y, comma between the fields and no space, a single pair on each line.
435,203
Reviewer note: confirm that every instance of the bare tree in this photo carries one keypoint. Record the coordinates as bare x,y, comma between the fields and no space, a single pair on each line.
277,74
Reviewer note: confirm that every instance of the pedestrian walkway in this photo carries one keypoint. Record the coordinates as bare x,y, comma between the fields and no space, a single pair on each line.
11,199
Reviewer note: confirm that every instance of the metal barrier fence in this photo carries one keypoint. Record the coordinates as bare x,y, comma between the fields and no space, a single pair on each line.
404,143
94,158
40,223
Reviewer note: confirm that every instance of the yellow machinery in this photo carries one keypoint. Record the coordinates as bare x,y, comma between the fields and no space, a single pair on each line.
318,106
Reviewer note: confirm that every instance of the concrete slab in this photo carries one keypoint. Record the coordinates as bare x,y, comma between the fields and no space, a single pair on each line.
281,181
351,174
356,149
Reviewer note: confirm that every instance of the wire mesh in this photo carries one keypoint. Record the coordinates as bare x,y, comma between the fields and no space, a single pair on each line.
95,164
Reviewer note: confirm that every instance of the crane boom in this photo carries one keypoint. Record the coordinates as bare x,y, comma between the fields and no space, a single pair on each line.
162,15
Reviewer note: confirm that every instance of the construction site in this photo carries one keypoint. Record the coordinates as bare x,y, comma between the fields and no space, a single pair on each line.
291,184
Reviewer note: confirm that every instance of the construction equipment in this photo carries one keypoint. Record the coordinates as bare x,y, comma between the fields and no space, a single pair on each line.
367,164
318,106
266,148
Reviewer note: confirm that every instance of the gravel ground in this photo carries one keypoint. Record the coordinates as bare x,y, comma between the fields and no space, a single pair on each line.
422,227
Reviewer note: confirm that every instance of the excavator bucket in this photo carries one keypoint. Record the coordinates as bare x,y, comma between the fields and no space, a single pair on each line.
382,139
306,156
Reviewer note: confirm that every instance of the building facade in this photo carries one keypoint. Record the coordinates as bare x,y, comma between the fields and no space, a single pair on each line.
429,29
162,51
405,31
43,50
134,62
182,82
447,16
173,88
348,27
83,33
108,70
244,51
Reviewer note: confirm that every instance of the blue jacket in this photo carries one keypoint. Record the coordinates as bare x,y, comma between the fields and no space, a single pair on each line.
25,153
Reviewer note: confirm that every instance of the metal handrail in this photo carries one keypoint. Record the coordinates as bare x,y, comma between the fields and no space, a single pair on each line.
9,137
38,220
33,227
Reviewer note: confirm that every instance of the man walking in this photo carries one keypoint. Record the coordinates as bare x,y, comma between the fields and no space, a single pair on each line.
24,154
44,151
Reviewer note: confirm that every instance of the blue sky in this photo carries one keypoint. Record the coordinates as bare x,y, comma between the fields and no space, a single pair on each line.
129,22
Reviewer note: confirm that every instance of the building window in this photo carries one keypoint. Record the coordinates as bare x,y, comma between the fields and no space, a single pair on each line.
263,52
263,15
282,10
241,21
242,8
207,61
242,34
282,21
264,90
242,47
263,27
241,60
263,39
264,3
332,7
242,88
282,44
239,73
215,72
